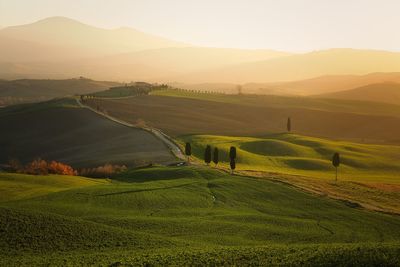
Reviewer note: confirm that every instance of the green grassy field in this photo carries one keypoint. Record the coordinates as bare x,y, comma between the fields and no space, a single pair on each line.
188,215
369,174
303,155
15,186
61,130
179,112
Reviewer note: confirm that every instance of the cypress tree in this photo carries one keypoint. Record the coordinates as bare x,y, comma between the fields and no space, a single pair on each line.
188,151
336,162
207,155
232,152
215,156
232,163
289,125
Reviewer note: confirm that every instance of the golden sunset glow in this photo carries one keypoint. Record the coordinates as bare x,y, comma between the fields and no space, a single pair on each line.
199,133
288,25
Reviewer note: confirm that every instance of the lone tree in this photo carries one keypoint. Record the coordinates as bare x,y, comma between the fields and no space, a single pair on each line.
233,165
232,152
207,155
289,125
336,162
232,157
215,156
188,151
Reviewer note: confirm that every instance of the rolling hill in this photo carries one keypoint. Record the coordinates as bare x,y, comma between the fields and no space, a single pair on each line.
314,86
321,85
252,115
379,92
18,51
301,66
16,186
26,90
61,130
368,174
191,216
42,50
68,33
59,47
188,59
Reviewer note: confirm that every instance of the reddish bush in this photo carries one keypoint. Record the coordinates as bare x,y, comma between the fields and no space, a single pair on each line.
60,168
37,167
41,167
102,171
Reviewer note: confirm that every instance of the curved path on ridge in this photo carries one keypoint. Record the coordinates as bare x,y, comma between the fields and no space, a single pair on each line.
173,147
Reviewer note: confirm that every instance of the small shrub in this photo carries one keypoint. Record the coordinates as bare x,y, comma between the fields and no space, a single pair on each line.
37,167
106,170
60,168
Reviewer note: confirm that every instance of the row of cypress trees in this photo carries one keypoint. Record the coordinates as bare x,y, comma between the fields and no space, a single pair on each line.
213,156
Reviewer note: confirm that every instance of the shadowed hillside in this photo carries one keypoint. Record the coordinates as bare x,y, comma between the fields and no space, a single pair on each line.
60,130
21,91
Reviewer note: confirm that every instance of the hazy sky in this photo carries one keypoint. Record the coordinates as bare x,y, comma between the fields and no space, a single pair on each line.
292,25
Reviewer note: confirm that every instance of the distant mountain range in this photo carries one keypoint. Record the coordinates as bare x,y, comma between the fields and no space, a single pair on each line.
59,47
64,33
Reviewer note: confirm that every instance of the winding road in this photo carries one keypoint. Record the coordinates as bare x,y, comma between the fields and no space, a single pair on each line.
172,146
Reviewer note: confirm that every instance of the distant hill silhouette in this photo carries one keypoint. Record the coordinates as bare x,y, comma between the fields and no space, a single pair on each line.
388,92
59,47
307,87
302,66
22,91
66,33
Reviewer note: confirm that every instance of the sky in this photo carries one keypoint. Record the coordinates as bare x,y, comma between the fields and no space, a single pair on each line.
287,25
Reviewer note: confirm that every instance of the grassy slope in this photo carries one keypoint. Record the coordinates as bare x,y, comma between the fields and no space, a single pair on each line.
15,186
187,213
258,115
296,154
60,130
368,174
